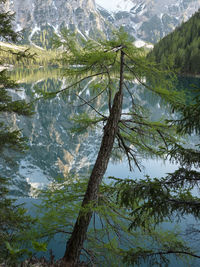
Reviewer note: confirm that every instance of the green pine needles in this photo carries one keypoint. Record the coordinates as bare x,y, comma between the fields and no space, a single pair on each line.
121,219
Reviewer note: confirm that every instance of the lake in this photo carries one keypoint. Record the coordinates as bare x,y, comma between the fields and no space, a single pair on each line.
55,152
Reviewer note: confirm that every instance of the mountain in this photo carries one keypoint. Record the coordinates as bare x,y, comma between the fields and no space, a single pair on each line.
40,19
149,20
182,47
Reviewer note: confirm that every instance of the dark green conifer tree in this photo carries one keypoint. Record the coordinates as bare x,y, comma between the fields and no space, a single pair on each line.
183,45
8,137
12,216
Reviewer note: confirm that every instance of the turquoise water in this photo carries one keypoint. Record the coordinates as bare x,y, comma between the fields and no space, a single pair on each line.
55,152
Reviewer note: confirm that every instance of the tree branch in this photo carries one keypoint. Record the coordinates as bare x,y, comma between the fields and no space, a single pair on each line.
86,102
173,252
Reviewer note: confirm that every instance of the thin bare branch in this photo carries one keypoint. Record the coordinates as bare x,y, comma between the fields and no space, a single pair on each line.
161,135
109,89
173,252
125,148
86,102
92,99
79,81
133,104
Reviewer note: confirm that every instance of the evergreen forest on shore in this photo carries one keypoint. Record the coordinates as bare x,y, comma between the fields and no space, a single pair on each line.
181,48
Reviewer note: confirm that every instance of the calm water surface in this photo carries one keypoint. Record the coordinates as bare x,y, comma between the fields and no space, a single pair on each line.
55,152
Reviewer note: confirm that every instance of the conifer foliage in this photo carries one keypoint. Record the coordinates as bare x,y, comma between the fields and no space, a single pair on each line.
12,216
110,68
9,137
182,47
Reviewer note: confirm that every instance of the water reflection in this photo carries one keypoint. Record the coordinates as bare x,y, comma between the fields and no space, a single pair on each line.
151,167
54,151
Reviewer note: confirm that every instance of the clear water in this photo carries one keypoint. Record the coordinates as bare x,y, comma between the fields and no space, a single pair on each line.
55,152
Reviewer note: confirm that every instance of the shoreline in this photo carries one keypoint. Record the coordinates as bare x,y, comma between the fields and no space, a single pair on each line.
189,75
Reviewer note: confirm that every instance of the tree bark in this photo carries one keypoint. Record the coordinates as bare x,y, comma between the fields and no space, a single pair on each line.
75,243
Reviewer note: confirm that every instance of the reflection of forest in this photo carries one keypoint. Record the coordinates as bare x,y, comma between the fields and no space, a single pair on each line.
54,151
34,57
33,75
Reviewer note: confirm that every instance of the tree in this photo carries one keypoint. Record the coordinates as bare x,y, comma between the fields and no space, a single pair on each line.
14,222
10,138
182,44
12,216
110,67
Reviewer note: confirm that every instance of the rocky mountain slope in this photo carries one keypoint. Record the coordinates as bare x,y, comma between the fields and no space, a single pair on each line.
149,20
41,18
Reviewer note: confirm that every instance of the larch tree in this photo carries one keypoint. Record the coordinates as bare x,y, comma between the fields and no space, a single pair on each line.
111,68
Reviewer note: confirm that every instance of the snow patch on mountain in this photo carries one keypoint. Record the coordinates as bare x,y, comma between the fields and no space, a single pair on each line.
139,43
143,19
116,5
35,29
53,4
18,28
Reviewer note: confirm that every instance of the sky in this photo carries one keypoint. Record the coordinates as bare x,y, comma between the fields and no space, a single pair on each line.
113,5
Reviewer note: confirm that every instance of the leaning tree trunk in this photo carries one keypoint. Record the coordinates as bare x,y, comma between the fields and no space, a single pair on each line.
78,236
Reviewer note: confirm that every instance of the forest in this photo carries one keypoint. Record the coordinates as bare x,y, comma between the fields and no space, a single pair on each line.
116,223
181,48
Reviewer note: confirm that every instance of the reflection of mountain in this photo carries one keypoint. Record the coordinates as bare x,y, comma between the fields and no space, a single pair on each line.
54,151
50,137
